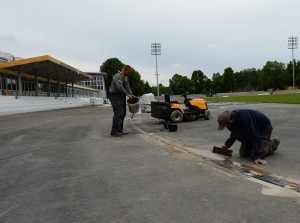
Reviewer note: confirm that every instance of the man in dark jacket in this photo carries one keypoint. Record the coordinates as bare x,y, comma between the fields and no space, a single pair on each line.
118,91
253,129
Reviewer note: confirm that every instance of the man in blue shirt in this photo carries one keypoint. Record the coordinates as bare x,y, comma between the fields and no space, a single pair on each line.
253,129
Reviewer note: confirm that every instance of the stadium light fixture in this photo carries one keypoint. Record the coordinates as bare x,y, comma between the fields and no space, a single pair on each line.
156,50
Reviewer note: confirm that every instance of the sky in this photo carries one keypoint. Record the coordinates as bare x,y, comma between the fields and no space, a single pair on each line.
194,34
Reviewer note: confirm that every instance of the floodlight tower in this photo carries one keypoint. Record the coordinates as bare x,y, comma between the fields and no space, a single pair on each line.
156,50
293,44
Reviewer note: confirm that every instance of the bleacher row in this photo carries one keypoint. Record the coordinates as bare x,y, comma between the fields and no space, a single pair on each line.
21,104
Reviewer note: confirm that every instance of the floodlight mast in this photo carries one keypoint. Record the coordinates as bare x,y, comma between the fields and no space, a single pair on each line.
293,44
156,50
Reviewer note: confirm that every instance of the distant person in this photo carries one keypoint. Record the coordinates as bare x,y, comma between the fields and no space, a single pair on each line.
253,129
118,91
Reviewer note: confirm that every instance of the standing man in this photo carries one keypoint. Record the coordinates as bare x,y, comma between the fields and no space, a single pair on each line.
118,91
253,129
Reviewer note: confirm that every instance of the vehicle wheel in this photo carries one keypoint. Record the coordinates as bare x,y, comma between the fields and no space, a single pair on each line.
176,116
206,115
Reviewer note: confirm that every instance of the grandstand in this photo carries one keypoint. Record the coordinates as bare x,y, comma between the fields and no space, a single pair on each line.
43,82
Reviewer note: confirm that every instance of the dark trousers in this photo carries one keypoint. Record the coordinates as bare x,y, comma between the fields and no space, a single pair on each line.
119,108
266,146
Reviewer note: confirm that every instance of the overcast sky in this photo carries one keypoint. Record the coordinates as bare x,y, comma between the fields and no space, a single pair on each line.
207,35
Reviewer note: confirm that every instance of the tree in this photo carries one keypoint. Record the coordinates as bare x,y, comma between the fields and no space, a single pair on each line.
217,84
274,75
174,82
180,84
136,84
207,88
247,80
147,88
290,73
162,89
229,82
111,67
199,79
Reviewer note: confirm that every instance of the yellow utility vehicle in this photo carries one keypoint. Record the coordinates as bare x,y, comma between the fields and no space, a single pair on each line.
192,108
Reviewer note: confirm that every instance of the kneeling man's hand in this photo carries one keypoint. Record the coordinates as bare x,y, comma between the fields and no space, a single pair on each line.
261,161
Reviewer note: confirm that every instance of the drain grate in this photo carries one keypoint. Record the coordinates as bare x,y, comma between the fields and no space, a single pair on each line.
297,189
267,178
272,180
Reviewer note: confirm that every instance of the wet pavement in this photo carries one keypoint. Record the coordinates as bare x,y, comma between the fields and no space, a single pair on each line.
63,166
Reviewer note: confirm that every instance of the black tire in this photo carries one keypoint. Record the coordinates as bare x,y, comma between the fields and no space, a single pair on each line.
206,115
176,116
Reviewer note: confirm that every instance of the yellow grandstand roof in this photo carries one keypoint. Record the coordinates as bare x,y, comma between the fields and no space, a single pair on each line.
46,66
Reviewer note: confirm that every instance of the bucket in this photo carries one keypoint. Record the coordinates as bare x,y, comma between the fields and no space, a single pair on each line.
172,127
134,108
133,105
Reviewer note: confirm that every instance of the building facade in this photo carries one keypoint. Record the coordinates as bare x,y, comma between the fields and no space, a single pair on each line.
42,76
98,82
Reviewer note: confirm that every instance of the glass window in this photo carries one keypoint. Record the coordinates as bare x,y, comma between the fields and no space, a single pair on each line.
14,84
23,86
8,82
62,89
32,86
4,83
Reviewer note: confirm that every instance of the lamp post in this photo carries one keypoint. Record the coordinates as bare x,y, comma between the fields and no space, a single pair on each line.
156,50
293,44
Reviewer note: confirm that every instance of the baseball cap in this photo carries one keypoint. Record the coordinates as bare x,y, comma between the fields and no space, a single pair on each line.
223,118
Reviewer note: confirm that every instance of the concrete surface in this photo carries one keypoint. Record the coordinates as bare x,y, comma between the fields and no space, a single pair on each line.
63,166
202,135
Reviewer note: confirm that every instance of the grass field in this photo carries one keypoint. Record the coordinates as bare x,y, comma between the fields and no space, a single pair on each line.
273,98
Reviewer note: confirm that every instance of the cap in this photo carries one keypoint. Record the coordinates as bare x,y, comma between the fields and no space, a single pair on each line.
223,118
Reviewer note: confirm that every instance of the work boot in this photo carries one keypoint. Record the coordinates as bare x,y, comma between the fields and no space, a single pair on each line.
116,133
245,151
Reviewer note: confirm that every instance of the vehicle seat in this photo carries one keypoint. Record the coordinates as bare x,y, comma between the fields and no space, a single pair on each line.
167,98
187,103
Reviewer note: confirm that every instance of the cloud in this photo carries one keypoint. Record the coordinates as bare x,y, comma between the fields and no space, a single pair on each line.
177,66
213,47
195,34
7,39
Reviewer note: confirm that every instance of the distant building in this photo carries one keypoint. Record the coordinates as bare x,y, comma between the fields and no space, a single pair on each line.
98,82
42,76
6,57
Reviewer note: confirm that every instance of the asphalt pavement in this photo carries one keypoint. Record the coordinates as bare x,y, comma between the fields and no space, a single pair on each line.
64,166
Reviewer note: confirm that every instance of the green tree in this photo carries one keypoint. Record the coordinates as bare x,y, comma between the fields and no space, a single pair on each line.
290,73
247,80
199,80
147,88
217,83
180,84
162,89
229,82
274,75
136,84
207,88
174,83
111,67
